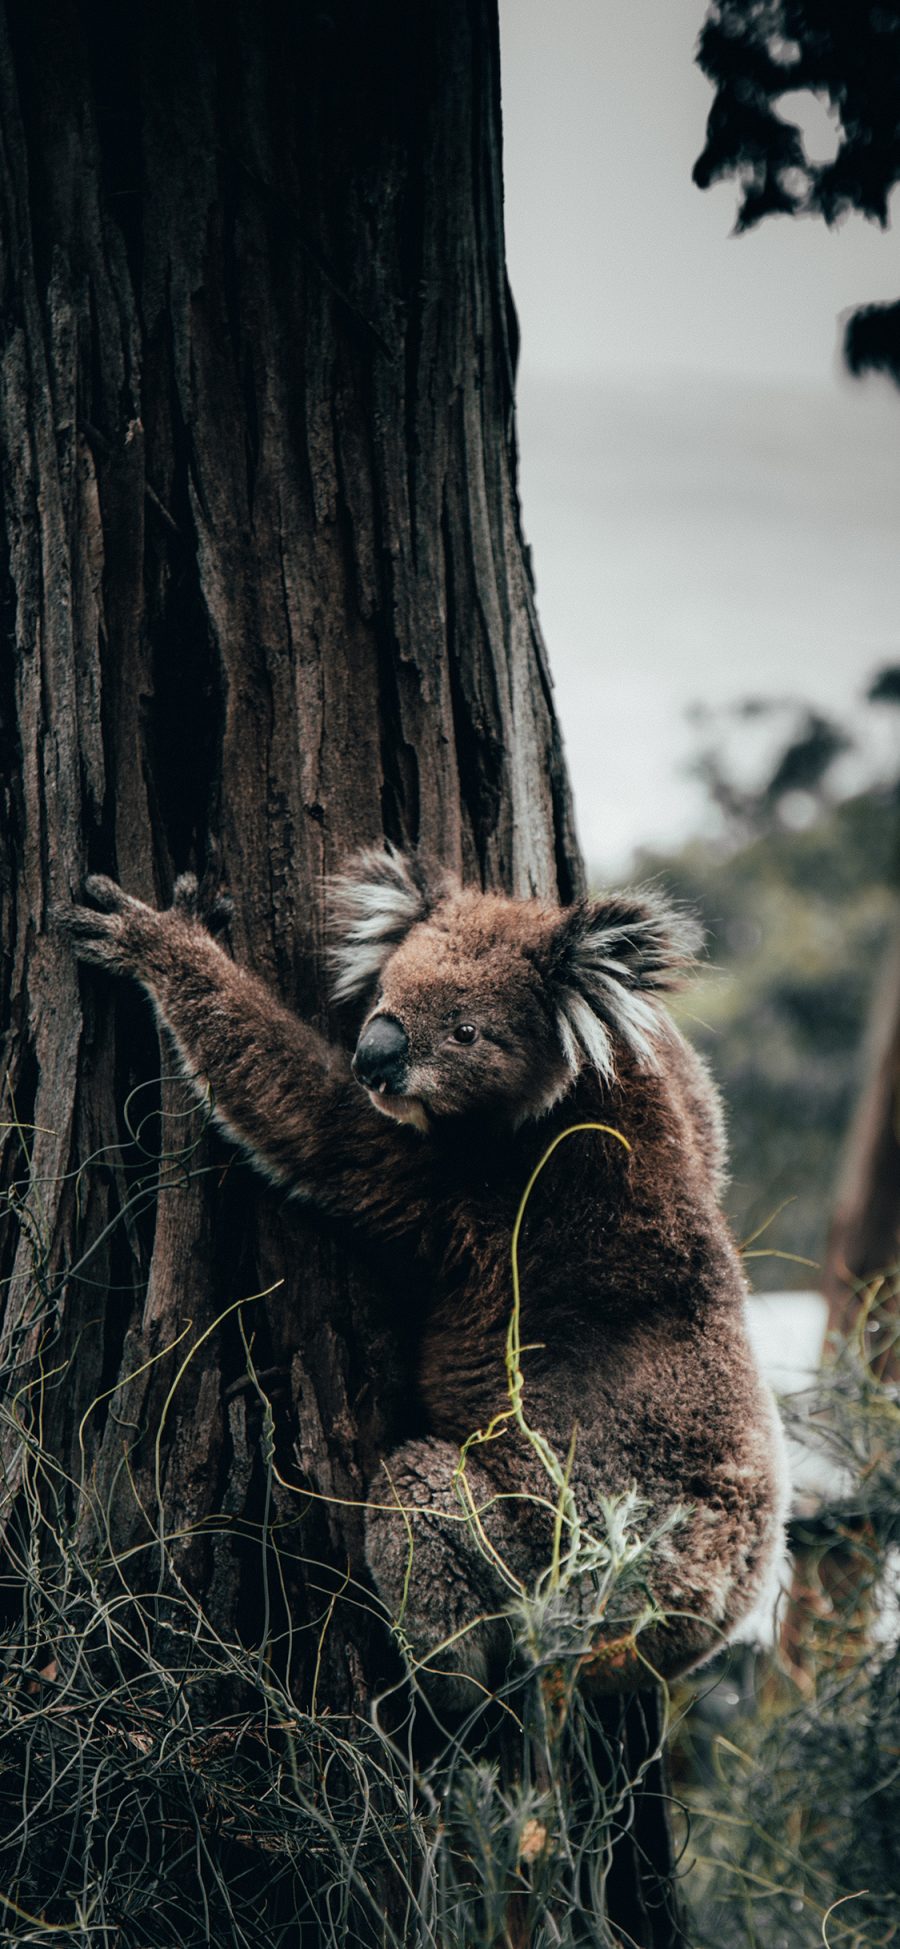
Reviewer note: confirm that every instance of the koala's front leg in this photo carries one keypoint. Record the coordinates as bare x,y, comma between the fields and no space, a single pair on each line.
277,1087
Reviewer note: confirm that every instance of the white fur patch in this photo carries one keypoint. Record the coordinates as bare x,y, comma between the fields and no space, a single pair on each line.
569,1040
372,907
401,1109
583,1017
577,1024
617,964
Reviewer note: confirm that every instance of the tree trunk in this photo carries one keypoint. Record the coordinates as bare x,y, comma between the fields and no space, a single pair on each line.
832,1613
864,1240
265,598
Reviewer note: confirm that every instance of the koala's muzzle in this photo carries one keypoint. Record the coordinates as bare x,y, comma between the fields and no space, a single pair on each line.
381,1055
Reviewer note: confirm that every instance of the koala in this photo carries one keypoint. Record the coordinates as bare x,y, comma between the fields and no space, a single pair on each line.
490,1027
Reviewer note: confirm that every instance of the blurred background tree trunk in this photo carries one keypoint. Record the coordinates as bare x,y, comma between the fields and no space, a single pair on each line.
265,598
864,1238
833,1610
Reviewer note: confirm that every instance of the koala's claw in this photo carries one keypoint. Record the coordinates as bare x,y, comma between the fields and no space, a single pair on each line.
219,914
190,904
113,932
106,893
186,896
93,936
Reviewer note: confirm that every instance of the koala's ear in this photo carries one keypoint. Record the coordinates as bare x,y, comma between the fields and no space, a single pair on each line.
372,904
610,960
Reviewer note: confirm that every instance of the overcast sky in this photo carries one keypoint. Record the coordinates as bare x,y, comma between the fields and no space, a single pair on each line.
714,512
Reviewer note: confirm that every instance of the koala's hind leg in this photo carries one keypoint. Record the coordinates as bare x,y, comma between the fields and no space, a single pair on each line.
439,1567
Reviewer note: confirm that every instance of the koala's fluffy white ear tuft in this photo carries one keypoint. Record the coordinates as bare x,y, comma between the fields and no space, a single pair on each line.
611,959
372,905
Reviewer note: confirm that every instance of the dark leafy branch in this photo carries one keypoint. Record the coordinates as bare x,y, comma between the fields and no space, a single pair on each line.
757,53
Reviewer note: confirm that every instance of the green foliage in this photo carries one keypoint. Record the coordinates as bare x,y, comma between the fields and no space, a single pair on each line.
797,925
758,52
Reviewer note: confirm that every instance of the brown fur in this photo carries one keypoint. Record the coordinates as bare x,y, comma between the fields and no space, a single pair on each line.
632,1293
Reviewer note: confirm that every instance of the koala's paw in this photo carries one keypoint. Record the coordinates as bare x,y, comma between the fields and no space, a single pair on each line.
126,936
114,932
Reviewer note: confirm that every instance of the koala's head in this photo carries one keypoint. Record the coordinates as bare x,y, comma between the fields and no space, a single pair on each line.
479,1003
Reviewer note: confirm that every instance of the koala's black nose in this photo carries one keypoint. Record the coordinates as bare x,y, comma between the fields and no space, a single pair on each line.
381,1053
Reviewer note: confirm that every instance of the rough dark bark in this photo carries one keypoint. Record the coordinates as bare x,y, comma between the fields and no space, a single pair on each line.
265,598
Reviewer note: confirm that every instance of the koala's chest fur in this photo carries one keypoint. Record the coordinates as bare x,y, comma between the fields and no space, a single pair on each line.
609,1276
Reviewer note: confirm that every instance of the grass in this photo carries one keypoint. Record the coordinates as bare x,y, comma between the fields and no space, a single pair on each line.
164,1783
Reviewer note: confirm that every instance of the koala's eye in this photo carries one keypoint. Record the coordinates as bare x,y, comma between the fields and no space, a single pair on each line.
465,1032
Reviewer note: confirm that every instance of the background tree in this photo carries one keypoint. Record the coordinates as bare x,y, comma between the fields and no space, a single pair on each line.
798,921
798,898
864,1240
757,57
849,58
264,598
